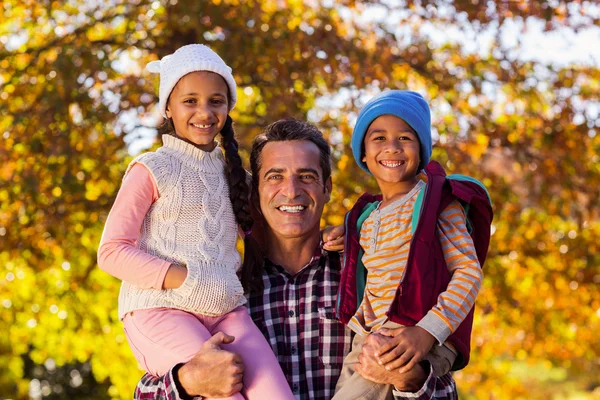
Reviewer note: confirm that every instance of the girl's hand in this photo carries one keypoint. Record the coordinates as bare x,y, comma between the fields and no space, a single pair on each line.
333,238
175,276
408,346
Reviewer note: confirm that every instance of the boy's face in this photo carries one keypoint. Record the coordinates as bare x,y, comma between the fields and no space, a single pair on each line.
392,152
198,106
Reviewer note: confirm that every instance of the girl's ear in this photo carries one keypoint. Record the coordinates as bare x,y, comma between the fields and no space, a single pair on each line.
168,112
364,159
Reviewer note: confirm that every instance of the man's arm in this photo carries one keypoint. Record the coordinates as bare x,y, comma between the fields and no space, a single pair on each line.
434,388
166,387
211,373
417,383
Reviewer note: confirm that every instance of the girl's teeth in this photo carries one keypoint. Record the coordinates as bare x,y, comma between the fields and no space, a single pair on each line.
201,126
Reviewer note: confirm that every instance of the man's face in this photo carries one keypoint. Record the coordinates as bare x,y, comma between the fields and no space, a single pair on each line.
291,189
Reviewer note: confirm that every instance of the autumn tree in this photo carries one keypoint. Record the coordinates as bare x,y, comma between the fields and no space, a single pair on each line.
75,98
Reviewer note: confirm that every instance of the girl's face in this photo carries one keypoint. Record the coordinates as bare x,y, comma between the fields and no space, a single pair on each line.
198,107
392,153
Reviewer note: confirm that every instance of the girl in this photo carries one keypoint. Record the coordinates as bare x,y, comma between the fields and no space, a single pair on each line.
171,233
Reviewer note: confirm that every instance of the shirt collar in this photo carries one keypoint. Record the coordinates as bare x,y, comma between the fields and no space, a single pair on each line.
315,262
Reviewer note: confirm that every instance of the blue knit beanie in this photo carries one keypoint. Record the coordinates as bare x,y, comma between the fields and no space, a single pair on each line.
404,104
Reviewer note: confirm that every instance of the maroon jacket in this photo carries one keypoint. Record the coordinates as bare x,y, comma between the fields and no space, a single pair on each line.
426,274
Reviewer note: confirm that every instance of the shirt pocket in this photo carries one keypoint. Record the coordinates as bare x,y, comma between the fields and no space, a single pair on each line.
334,338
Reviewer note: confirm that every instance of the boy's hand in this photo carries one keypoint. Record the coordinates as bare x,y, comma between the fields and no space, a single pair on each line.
333,238
369,368
408,346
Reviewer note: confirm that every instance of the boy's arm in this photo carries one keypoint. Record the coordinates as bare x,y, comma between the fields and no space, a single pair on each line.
410,344
458,299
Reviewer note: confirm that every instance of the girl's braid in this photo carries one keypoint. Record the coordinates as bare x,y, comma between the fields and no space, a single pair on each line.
239,192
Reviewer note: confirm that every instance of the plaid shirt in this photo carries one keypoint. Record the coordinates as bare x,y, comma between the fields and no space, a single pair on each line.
297,317
296,314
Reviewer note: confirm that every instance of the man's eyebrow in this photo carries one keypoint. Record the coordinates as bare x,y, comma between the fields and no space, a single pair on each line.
274,171
305,170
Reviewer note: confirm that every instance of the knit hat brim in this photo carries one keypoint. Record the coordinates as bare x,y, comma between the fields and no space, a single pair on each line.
188,59
409,106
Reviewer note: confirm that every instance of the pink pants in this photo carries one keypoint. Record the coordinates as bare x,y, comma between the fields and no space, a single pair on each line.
162,337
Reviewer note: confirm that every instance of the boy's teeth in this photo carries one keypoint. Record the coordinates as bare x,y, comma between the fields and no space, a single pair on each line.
392,163
292,208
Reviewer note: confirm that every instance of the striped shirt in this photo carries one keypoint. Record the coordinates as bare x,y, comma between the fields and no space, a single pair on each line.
385,237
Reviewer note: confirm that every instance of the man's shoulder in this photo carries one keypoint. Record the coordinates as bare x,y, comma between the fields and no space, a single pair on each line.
333,260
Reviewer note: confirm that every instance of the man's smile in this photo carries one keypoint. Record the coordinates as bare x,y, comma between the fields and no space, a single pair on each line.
292,209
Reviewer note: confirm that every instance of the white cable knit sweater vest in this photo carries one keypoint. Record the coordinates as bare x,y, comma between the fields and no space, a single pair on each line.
191,223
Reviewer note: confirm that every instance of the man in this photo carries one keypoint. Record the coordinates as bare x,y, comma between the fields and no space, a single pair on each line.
291,170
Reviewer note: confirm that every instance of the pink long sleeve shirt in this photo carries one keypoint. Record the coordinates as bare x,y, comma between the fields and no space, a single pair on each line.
118,253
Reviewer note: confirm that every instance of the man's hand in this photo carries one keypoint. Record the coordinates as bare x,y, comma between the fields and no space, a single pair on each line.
333,236
213,372
408,346
369,367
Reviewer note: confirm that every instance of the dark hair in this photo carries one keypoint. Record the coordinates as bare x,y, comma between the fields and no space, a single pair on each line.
286,130
239,193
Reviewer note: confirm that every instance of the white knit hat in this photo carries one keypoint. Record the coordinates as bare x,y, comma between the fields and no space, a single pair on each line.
190,58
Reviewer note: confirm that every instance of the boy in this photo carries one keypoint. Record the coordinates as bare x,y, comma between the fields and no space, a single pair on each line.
392,142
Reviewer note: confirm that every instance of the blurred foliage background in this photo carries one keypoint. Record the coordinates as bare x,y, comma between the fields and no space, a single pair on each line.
76,104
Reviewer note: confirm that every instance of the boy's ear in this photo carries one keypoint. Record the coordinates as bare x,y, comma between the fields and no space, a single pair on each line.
364,159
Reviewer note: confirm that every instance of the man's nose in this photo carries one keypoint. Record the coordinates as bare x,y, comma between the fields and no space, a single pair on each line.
291,188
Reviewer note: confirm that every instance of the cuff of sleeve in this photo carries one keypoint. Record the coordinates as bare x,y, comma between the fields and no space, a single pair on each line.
438,328
180,391
426,391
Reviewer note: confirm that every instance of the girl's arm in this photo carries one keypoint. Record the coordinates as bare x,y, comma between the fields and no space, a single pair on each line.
118,253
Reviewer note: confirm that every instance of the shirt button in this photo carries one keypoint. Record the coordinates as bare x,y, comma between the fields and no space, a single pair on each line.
291,313
294,388
293,349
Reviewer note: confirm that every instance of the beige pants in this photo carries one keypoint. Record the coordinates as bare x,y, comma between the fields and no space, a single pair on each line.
351,385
